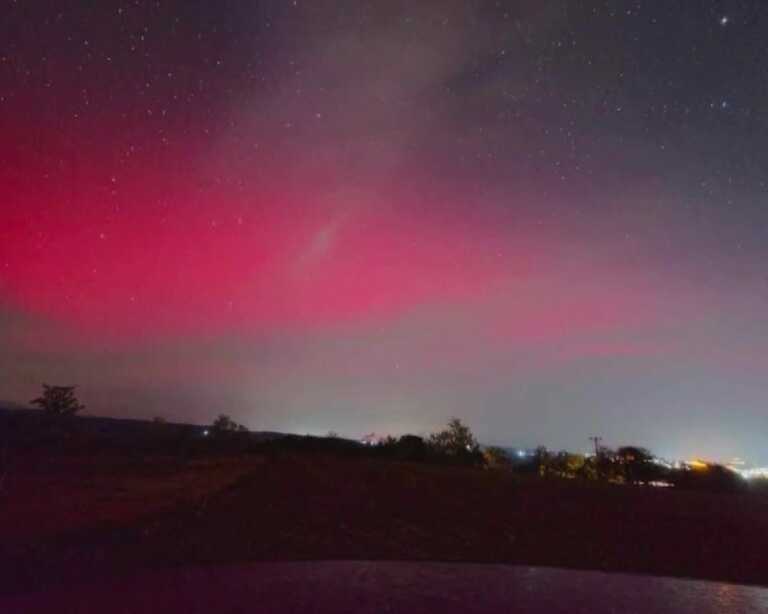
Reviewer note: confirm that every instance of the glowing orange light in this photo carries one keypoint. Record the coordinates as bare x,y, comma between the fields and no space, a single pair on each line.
698,464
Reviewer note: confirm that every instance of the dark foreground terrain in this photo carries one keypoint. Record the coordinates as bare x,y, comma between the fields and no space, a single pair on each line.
77,520
68,516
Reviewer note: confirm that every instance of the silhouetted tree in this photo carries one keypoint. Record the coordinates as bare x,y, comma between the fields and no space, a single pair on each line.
637,464
406,448
59,400
225,424
412,448
456,442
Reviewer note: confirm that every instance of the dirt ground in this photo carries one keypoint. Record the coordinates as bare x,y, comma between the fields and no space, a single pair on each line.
69,519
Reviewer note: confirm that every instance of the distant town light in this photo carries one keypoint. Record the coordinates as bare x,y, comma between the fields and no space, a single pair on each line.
697,464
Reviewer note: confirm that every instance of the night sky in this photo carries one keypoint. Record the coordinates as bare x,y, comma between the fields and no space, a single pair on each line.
548,218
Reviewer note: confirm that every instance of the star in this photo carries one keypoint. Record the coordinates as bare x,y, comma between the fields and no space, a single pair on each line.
724,20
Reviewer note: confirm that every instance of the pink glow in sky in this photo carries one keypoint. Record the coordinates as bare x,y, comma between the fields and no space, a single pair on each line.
360,217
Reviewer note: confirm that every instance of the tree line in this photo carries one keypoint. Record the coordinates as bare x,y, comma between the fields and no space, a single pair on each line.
630,465
457,445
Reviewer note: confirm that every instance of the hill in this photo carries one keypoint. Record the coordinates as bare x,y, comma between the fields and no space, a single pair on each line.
119,508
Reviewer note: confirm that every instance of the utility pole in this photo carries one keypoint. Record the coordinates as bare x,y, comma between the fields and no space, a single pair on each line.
596,440
599,465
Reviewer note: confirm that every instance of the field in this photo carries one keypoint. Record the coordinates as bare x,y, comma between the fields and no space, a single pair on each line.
68,516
